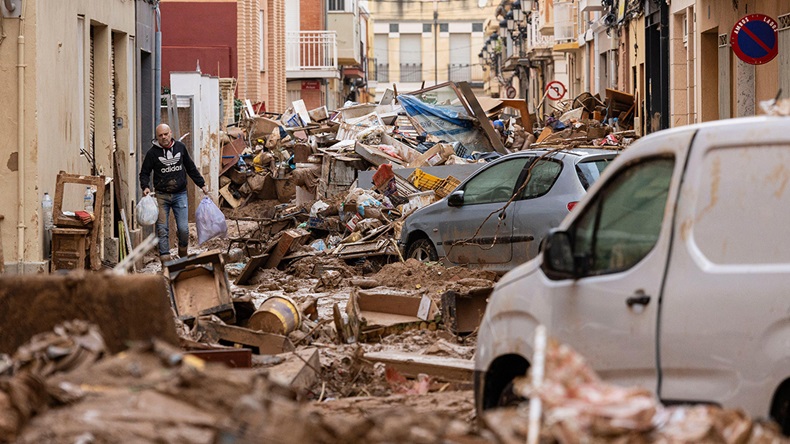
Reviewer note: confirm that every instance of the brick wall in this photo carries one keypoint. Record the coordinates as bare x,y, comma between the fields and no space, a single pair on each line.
312,12
276,88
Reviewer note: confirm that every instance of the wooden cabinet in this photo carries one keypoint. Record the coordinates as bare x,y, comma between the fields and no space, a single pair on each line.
69,248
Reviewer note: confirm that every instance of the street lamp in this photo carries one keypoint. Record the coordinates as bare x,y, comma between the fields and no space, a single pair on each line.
511,22
517,12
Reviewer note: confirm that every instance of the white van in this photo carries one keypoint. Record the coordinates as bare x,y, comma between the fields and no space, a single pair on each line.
673,274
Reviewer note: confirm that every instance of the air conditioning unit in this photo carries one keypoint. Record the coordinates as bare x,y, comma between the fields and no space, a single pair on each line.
11,8
590,5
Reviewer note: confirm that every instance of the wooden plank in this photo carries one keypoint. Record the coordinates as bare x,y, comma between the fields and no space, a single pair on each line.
232,358
547,131
288,240
228,196
485,123
263,343
127,236
253,264
438,367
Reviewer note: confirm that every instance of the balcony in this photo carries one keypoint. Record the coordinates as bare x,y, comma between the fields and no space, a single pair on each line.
411,72
537,42
346,26
465,72
311,54
545,16
566,26
590,5
381,72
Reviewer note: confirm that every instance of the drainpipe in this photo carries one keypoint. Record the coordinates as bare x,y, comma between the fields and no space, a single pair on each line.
158,68
20,68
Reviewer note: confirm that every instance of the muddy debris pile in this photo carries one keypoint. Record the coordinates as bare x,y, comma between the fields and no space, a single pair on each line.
154,392
569,403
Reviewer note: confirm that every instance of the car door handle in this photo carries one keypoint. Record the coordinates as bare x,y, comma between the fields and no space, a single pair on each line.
503,215
638,299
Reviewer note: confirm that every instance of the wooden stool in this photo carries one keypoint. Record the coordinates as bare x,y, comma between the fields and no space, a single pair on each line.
69,248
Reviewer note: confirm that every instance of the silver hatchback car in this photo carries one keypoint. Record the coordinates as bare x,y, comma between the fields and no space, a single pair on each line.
497,218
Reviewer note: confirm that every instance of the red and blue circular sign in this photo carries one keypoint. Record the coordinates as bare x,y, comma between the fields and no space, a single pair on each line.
754,40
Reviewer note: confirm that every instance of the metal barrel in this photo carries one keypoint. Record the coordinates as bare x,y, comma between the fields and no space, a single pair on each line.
278,315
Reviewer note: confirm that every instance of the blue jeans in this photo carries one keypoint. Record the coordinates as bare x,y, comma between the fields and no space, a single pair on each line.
178,203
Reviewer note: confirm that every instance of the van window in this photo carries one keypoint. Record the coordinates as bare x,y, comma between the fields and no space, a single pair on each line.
494,184
623,223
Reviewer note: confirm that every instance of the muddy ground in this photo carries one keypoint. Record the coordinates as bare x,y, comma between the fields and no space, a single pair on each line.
65,387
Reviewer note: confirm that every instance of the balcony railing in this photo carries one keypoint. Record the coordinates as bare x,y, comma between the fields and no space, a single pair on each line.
382,73
536,40
464,72
411,72
311,51
565,22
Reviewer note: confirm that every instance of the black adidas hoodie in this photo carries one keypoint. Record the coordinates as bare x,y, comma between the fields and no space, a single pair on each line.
170,167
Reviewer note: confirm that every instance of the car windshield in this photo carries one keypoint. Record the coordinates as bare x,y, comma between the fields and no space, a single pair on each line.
590,170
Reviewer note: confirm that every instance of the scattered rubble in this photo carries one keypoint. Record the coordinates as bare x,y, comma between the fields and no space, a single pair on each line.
306,324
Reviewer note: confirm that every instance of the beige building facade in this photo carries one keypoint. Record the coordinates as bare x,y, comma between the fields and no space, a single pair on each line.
68,104
408,50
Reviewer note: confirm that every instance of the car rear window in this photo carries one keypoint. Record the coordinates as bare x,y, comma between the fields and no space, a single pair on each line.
590,170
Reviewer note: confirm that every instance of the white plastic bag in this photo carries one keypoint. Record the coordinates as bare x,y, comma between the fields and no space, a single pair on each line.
210,221
147,210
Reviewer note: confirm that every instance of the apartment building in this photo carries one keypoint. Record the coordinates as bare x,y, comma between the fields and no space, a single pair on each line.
327,47
241,39
428,41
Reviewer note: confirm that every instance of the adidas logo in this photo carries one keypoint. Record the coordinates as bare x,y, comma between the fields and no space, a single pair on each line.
172,168
170,160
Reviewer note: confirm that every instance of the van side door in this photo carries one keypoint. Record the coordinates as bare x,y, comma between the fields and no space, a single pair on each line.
619,240
725,329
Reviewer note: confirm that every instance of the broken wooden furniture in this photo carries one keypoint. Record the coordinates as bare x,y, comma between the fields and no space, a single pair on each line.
69,248
376,313
259,342
462,312
61,220
199,286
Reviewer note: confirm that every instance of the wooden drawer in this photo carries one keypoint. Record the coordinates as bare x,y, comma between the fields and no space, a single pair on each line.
68,242
67,262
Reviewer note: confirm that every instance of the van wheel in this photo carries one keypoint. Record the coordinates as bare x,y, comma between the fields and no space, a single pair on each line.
780,407
509,398
422,250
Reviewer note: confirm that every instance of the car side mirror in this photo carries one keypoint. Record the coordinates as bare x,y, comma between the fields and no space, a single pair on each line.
456,198
558,261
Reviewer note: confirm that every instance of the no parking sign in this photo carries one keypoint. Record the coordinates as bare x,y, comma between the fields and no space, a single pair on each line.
754,39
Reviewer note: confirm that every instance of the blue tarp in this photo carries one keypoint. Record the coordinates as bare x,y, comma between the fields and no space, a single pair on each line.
447,122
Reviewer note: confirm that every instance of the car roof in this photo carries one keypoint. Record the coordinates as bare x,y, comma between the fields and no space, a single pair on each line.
578,153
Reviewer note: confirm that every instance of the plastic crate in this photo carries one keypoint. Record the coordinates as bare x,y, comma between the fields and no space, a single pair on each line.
424,181
447,186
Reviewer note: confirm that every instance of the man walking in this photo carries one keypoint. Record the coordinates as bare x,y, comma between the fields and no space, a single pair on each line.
170,162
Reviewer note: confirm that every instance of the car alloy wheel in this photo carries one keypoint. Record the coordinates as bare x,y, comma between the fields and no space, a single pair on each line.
422,250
